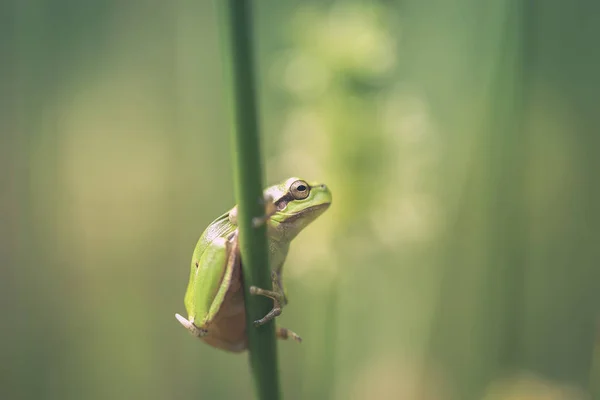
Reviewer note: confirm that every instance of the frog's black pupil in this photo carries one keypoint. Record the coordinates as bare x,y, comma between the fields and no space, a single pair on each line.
301,188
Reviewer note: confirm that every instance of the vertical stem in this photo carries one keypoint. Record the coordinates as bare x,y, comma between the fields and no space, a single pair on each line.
236,29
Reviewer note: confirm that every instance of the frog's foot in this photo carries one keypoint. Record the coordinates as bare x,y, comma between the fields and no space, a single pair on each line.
275,311
284,333
270,210
189,325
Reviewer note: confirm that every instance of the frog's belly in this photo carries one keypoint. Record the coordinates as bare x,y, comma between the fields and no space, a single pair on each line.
228,329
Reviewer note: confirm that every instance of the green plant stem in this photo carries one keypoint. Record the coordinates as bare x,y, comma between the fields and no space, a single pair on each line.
236,29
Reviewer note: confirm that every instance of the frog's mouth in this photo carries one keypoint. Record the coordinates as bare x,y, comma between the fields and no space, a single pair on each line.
312,211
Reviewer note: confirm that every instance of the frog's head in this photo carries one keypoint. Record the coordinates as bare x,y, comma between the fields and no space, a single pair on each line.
297,203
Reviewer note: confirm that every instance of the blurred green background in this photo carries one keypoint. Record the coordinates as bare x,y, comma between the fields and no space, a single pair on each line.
460,139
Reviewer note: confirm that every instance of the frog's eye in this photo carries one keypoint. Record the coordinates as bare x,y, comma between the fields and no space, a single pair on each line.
300,190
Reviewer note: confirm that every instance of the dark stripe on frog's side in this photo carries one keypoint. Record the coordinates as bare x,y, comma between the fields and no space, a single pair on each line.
282,202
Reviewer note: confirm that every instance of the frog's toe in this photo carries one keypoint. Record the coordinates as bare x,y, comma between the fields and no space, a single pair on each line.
275,312
276,296
284,333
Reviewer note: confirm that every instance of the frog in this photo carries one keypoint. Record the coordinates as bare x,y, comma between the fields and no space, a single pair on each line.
214,299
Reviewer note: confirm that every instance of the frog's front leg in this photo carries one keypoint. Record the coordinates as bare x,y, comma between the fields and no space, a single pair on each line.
278,299
270,210
275,311
280,285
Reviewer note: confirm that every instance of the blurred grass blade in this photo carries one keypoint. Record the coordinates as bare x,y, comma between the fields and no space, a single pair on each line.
236,29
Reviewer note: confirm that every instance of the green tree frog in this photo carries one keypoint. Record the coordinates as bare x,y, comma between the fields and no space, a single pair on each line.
214,299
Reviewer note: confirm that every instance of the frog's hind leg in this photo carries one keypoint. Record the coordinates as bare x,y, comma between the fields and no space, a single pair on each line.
194,330
284,334
221,251
228,281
